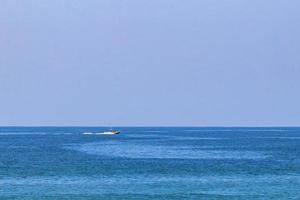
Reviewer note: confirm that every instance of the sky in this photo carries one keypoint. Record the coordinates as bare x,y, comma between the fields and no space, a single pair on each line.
149,63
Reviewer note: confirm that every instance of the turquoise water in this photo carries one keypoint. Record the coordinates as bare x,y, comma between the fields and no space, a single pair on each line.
150,163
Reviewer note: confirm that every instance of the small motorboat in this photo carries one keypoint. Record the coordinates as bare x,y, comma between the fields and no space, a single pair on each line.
108,132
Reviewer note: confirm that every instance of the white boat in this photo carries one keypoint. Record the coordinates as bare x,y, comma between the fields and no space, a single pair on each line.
109,132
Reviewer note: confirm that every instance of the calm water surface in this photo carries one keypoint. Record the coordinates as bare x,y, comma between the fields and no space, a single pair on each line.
150,163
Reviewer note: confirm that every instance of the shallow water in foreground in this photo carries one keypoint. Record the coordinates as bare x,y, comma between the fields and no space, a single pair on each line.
150,163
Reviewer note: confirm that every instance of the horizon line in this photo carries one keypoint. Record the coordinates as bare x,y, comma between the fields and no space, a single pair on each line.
150,126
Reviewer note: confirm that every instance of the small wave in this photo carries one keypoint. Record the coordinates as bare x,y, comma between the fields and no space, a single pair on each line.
135,150
88,133
149,178
173,137
61,133
96,133
154,131
23,133
149,136
236,130
200,138
33,133
289,138
193,130
159,184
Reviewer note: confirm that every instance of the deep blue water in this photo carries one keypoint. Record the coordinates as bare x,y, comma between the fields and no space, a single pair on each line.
150,163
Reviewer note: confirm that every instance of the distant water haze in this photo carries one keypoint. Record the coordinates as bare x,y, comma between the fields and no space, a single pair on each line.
150,63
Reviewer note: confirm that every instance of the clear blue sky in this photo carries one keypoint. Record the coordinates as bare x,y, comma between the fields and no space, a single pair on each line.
158,62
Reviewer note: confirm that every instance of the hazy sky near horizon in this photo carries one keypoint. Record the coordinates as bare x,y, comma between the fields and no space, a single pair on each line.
141,62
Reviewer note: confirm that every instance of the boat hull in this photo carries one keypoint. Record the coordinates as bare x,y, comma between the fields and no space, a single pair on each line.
103,133
108,133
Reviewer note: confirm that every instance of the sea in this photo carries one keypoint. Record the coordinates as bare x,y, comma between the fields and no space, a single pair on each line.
43,163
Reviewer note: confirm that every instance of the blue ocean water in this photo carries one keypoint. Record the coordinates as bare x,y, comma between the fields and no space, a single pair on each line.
149,163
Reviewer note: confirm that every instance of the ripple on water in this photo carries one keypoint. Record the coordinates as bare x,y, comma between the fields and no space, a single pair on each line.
151,184
136,150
